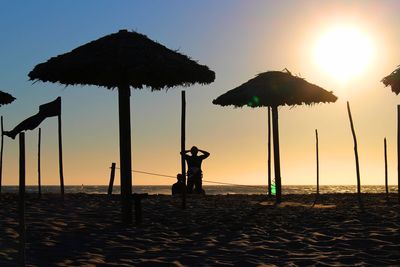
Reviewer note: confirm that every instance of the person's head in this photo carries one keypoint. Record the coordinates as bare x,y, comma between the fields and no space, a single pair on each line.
179,176
194,150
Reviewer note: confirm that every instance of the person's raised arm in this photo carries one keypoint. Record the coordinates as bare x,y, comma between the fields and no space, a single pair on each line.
205,154
186,151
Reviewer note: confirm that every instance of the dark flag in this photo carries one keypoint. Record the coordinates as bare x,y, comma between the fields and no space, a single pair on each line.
50,109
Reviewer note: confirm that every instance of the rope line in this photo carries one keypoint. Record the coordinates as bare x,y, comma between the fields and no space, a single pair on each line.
252,212
206,181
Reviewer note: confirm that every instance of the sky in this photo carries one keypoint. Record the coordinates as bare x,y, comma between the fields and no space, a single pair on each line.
237,40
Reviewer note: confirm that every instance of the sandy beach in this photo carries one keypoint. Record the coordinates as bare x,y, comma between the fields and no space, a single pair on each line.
213,230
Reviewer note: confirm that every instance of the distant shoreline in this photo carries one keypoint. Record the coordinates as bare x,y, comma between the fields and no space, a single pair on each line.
210,189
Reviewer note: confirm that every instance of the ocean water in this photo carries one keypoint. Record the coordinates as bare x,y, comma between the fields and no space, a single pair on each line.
210,189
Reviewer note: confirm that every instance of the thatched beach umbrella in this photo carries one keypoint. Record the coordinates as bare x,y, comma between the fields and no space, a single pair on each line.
123,60
393,80
5,98
273,89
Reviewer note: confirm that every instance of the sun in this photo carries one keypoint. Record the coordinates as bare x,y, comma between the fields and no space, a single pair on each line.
343,52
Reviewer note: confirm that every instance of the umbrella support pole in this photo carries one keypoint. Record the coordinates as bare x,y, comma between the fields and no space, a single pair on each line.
1,153
398,152
183,140
21,200
277,164
125,152
269,151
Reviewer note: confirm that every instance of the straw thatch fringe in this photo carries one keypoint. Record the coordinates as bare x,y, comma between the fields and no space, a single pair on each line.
393,80
6,98
123,58
275,88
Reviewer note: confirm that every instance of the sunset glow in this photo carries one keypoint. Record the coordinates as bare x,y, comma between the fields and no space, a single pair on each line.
343,52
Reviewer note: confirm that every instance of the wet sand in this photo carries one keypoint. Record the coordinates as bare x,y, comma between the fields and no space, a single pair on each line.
213,230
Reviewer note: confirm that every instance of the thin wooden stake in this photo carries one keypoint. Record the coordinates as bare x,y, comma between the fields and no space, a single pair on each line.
39,171
112,175
386,167
21,199
183,140
398,152
269,151
138,210
355,149
317,156
60,156
1,153
138,207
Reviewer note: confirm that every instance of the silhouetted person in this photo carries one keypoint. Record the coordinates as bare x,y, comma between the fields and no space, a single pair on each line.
179,186
195,174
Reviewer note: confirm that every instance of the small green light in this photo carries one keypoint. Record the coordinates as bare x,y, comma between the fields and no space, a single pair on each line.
273,189
256,100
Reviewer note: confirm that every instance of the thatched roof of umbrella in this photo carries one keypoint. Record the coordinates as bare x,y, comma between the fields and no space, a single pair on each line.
393,80
123,60
275,88
5,98
123,57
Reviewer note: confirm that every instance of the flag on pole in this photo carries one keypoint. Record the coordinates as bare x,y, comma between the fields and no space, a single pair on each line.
47,110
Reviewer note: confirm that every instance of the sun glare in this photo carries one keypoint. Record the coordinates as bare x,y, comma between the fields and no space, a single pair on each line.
343,52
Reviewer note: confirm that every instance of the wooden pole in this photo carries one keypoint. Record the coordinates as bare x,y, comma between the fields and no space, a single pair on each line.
125,152
1,153
21,199
317,156
386,167
269,151
183,140
398,152
39,170
112,175
138,207
60,155
277,166
355,149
